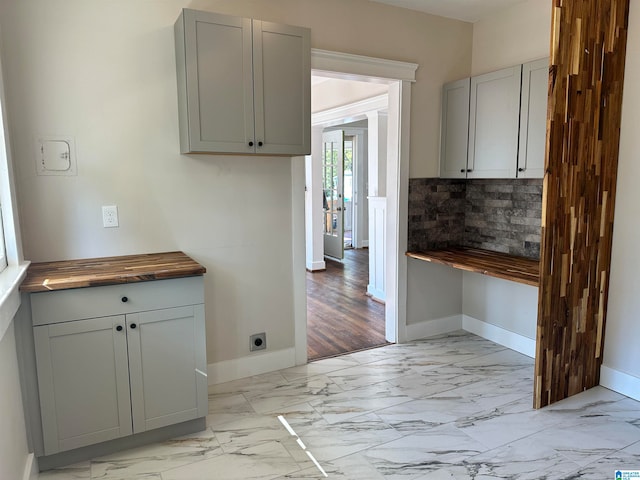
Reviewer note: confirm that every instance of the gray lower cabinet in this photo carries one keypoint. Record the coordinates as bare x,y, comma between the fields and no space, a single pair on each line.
111,376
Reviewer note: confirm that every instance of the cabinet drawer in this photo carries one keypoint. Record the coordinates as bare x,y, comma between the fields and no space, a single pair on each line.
76,304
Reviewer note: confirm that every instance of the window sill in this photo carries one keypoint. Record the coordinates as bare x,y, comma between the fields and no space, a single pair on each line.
10,279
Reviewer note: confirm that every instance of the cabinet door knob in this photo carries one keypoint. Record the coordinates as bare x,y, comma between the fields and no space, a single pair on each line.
521,169
124,299
133,325
469,170
119,328
462,170
251,144
259,144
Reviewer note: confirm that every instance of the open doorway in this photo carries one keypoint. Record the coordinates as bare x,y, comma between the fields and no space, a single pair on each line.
392,214
342,315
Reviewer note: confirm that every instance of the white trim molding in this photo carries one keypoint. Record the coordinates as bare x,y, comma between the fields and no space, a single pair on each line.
256,364
377,247
620,382
351,112
10,279
316,266
31,468
499,335
359,65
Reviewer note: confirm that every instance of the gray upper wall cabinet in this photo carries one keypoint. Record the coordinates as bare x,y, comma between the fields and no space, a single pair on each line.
501,131
533,119
494,113
243,85
455,129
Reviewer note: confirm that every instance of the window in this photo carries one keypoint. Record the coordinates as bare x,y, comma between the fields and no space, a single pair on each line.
12,266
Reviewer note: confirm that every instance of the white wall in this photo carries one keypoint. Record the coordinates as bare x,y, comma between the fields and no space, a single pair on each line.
13,439
103,71
511,36
434,293
508,305
622,336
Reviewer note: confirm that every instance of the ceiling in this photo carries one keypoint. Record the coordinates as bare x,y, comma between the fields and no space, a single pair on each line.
465,10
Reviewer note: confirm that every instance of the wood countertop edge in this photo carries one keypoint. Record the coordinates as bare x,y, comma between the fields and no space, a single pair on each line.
94,272
458,259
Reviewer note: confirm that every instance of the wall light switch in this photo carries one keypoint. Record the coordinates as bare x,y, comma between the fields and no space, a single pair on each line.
110,216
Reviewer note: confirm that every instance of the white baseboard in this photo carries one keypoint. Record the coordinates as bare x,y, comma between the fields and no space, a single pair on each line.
376,293
430,328
365,244
259,362
30,468
620,382
313,266
499,335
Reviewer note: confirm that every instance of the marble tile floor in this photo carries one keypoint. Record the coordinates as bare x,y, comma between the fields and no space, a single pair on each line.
450,407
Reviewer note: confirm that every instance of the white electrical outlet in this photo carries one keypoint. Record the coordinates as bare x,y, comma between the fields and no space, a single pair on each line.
110,216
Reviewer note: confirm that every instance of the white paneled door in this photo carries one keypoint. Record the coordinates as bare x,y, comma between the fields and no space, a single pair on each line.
333,193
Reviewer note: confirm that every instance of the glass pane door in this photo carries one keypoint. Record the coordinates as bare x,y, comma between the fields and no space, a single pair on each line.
333,195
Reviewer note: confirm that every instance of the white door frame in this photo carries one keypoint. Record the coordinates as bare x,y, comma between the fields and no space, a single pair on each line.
399,76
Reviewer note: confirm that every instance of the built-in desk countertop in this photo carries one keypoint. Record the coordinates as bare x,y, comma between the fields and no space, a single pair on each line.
495,264
91,272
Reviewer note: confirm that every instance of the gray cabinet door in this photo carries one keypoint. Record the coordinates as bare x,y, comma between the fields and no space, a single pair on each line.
493,124
454,127
282,83
533,119
167,366
84,382
244,86
215,82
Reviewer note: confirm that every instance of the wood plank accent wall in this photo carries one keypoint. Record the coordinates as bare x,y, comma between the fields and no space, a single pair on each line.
588,43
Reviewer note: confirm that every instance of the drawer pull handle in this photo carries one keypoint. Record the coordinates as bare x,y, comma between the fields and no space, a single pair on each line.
124,299
133,325
119,328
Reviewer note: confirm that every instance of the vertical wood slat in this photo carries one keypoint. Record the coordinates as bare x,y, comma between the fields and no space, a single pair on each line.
588,47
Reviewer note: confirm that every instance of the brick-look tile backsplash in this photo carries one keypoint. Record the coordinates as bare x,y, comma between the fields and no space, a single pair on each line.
500,215
436,213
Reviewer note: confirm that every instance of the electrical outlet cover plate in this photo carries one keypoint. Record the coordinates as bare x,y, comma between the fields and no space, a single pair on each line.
258,342
110,216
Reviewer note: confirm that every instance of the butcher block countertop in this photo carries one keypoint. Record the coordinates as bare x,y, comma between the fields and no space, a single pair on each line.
495,264
91,272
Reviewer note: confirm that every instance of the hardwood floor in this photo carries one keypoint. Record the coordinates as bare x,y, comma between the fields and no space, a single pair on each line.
340,317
